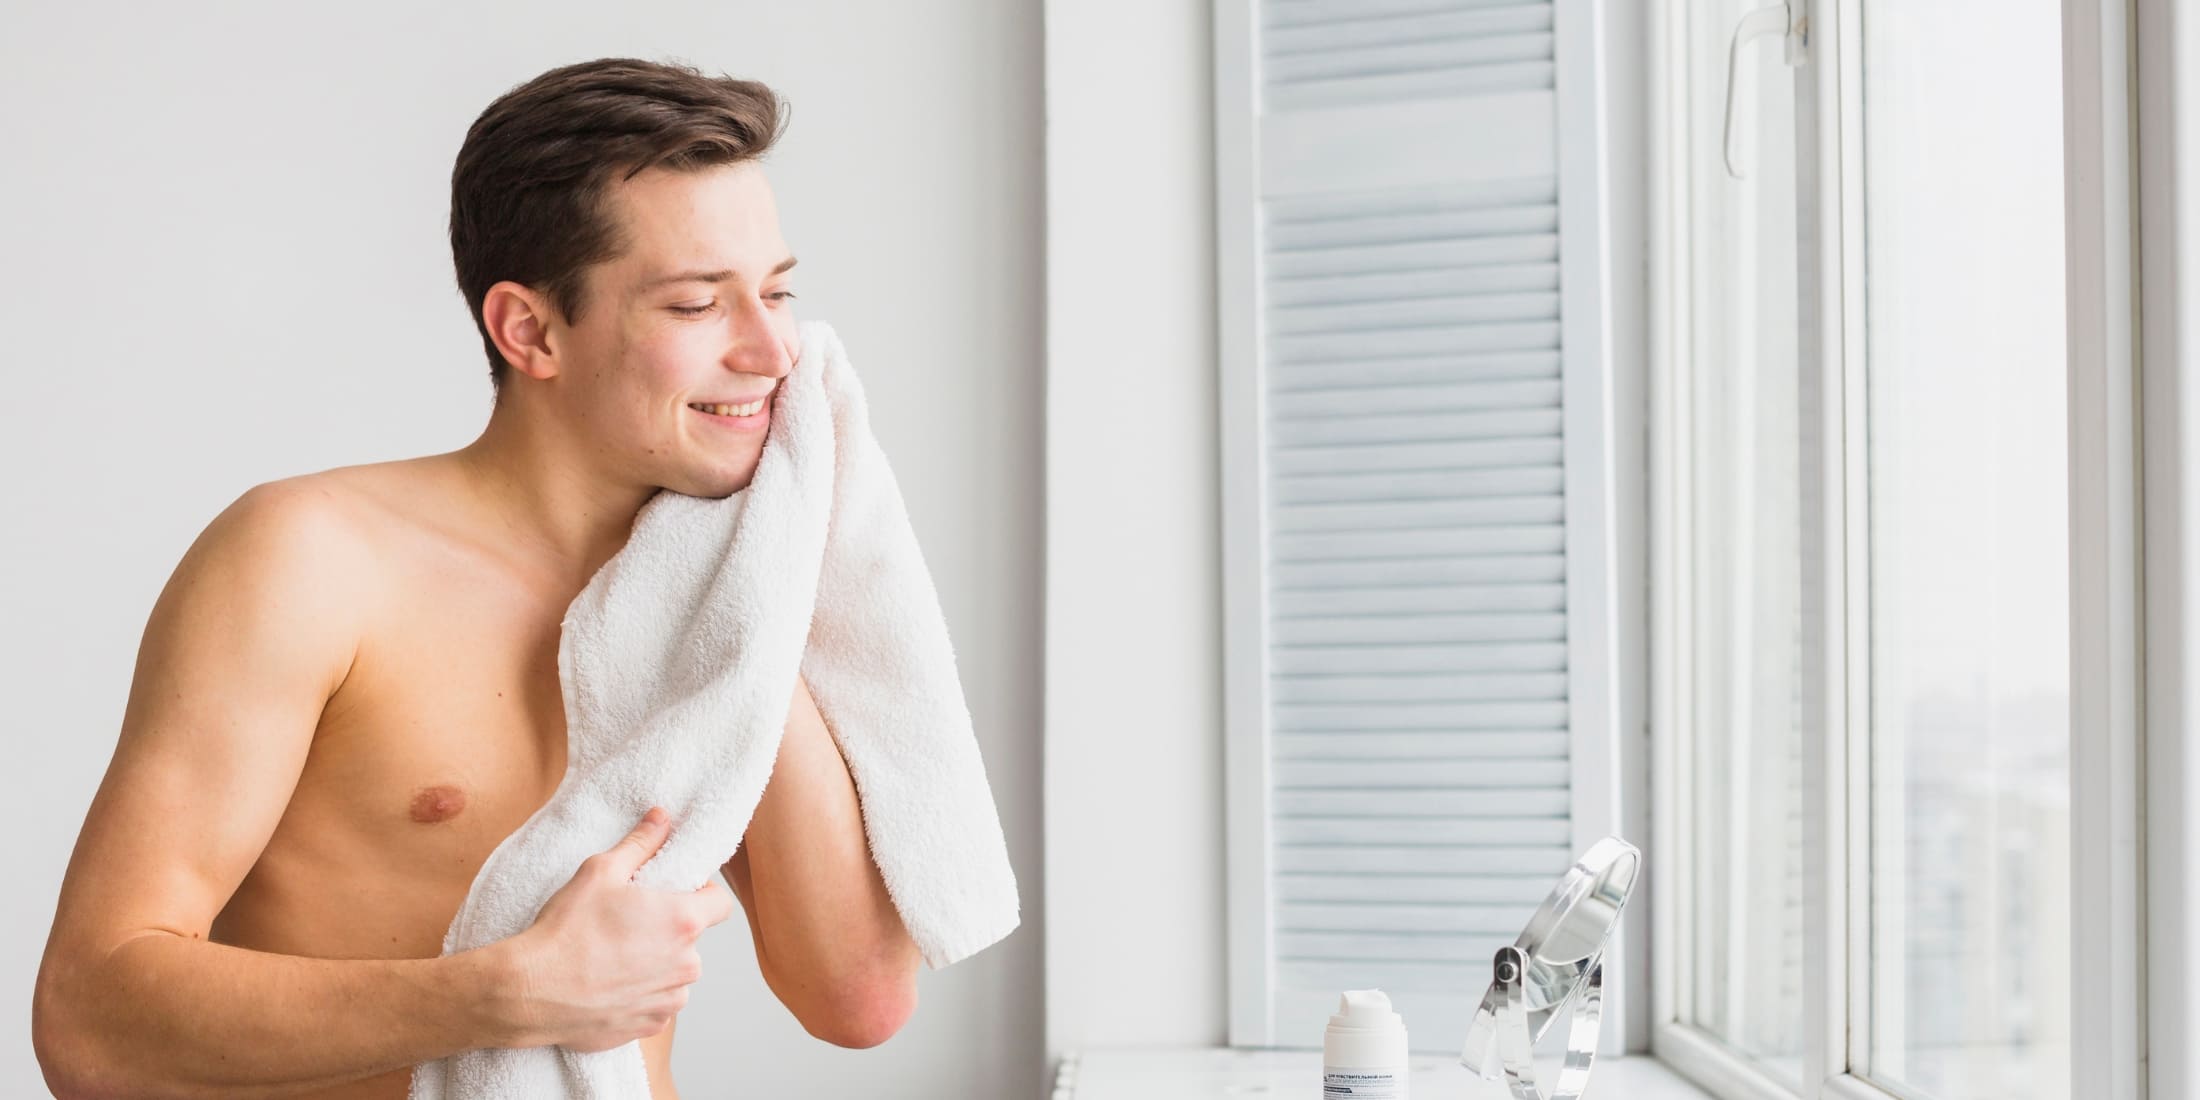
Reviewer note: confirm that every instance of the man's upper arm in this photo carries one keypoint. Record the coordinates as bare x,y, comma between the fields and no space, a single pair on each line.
252,634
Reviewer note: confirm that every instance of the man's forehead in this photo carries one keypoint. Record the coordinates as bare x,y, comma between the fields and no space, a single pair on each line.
708,225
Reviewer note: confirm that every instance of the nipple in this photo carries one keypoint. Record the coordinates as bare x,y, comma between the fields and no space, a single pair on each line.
438,803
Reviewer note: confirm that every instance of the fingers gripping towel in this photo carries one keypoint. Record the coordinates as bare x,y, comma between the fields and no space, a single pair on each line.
678,664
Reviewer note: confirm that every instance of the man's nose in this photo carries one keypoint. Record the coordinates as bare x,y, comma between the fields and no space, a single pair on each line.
757,348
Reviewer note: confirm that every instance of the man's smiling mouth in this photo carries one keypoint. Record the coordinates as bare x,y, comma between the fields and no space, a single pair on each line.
750,409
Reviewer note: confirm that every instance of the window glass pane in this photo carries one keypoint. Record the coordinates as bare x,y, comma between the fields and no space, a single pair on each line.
1969,715
1744,800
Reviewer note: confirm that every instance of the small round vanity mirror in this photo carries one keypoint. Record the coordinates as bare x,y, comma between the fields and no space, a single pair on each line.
1555,967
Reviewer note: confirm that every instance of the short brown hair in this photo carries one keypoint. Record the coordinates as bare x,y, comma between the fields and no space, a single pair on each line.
527,192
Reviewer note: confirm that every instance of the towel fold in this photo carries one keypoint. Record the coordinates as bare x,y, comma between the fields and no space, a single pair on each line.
676,665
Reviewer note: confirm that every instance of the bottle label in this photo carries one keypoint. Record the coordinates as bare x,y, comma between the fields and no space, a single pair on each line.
1363,1084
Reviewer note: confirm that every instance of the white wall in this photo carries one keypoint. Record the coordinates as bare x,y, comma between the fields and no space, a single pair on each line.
224,262
1135,906
1133,590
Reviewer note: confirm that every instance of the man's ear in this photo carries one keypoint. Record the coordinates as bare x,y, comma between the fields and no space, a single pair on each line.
519,320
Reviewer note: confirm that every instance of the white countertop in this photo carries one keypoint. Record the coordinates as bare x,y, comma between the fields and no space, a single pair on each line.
1223,1073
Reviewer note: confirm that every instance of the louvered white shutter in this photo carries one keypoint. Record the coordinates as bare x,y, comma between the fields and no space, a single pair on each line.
1417,608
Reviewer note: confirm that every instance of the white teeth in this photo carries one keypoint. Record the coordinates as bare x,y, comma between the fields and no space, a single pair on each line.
750,409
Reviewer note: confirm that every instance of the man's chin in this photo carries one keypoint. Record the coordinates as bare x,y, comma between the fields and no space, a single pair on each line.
712,487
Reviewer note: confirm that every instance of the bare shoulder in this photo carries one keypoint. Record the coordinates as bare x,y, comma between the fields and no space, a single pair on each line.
295,575
306,555
355,498
321,522
287,535
321,506
285,567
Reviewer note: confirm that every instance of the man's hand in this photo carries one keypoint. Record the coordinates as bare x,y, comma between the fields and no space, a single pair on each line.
606,961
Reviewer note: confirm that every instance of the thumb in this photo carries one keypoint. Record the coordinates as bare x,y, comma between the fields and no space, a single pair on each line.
635,848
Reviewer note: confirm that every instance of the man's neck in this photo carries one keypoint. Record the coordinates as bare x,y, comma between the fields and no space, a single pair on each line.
543,498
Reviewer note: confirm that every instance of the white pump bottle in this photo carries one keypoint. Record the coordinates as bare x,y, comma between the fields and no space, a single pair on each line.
1364,1050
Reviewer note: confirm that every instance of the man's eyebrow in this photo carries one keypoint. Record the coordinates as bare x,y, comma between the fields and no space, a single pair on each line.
707,276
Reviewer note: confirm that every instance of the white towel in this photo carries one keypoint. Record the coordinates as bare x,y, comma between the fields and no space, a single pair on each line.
677,663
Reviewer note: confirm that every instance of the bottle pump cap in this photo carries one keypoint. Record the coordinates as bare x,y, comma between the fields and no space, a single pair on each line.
1365,1009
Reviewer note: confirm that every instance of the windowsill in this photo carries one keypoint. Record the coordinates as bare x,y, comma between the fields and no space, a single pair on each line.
1147,1073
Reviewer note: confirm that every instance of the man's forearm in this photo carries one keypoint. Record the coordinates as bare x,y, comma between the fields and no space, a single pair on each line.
826,928
166,1016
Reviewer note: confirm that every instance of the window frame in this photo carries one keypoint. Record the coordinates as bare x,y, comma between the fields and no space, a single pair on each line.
2108,933
2167,196
2109,817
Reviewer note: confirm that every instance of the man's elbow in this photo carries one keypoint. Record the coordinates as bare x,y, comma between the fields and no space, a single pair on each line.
64,1050
865,1015
82,1052
60,1068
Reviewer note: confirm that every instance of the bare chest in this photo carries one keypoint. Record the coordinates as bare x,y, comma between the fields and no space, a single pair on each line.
449,728
446,736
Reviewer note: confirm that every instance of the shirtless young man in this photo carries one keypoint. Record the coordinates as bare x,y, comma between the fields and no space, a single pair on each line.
347,695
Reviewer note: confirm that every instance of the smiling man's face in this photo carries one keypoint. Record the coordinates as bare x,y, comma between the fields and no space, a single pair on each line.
670,375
